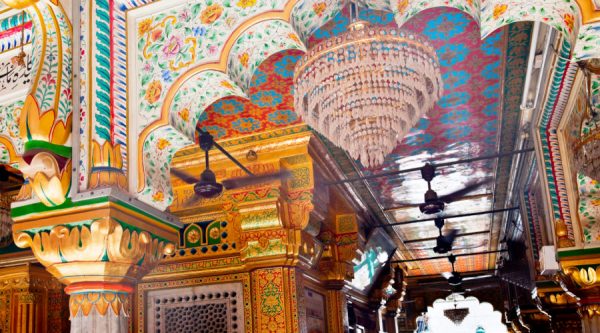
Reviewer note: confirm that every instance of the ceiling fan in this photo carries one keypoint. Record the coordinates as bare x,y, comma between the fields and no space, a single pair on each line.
435,204
443,243
455,279
207,187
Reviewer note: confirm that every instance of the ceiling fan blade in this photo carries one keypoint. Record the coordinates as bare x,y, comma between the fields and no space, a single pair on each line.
470,278
191,201
456,195
451,236
186,177
234,183
447,275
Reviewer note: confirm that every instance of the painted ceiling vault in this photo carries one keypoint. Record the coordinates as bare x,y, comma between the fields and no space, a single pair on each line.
465,123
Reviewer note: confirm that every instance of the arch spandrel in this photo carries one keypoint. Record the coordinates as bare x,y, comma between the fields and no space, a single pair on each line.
563,16
195,95
258,43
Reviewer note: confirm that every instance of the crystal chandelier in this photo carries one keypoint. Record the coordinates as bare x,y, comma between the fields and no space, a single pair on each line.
456,315
366,88
587,147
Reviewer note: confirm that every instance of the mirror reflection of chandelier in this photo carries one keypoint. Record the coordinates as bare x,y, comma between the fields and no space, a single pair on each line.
366,88
587,148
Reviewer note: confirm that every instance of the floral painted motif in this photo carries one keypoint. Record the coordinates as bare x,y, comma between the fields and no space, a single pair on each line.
407,9
9,128
246,3
158,150
153,92
588,42
499,9
559,14
196,95
193,33
309,15
275,110
246,125
589,208
211,13
257,44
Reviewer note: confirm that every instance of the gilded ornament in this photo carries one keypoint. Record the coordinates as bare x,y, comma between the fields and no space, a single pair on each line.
590,310
562,234
103,248
49,160
107,166
101,301
214,233
585,277
193,236
19,4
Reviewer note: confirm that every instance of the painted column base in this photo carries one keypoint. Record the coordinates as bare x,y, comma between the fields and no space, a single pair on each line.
94,322
103,309
590,324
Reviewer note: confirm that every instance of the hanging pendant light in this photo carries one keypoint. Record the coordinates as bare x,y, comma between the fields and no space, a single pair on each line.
366,88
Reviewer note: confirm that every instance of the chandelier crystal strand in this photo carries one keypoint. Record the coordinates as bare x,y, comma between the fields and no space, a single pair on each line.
366,88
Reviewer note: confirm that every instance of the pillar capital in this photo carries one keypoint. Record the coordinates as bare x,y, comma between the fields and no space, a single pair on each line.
99,249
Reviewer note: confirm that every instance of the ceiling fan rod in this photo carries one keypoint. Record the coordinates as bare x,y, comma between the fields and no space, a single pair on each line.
226,153
446,257
493,211
437,165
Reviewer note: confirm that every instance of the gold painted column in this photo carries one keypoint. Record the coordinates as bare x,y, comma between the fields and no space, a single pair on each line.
339,235
275,300
31,300
582,280
99,252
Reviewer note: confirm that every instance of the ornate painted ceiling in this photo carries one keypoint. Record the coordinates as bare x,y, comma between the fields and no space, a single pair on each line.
466,122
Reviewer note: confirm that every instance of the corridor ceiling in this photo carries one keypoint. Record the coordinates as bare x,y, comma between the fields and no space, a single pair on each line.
477,116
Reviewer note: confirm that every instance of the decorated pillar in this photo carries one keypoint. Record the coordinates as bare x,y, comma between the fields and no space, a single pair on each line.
339,235
31,300
580,277
99,250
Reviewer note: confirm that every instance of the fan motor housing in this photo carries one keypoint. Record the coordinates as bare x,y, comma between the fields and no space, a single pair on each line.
432,207
208,189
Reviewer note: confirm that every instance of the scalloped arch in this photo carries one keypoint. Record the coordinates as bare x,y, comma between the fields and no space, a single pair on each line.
297,20
195,95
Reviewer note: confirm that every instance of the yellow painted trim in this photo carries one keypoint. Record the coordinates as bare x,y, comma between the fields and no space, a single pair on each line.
585,260
60,59
100,210
43,49
221,65
64,12
589,14
11,149
91,47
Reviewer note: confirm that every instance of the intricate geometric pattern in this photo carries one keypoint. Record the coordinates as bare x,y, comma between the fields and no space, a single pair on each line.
202,309
270,103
